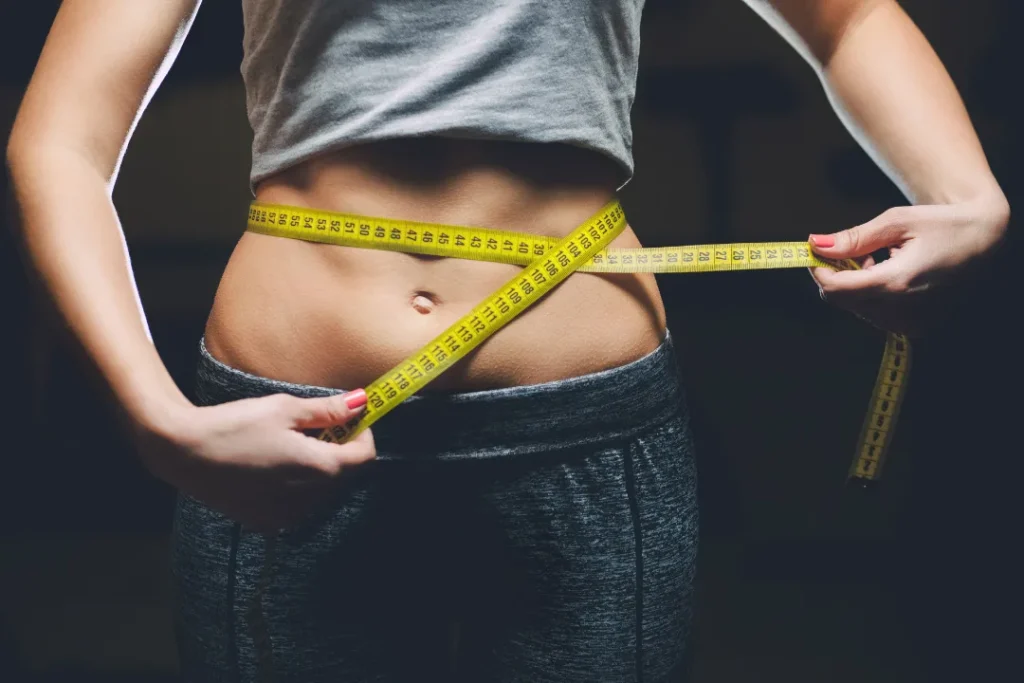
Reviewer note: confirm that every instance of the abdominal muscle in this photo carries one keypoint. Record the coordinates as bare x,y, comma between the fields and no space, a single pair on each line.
340,317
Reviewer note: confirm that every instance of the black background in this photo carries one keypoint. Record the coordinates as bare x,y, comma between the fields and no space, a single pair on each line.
943,527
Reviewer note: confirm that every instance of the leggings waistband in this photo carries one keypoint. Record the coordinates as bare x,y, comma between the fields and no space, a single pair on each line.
584,411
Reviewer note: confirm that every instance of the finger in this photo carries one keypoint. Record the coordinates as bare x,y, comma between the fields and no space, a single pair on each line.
908,313
866,262
331,458
873,280
887,230
319,413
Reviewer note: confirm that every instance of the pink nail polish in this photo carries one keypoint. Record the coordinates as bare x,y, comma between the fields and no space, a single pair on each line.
823,241
355,399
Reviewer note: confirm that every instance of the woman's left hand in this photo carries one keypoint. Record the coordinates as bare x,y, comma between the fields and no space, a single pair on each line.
929,245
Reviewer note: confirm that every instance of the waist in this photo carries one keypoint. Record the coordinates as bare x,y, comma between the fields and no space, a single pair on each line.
584,411
337,316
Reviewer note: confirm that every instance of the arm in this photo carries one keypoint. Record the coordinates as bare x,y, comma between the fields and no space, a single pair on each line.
100,65
893,94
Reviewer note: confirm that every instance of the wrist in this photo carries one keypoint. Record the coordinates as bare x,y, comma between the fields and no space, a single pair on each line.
157,410
162,427
167,419
990,214
148,396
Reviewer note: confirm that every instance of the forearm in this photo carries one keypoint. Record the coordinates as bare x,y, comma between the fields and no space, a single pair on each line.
73,241
100,64
892,91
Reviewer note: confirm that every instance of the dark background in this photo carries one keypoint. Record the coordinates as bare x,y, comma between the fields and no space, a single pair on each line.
801,577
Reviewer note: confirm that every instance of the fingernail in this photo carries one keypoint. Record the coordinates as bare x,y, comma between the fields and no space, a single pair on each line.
355,399
823,241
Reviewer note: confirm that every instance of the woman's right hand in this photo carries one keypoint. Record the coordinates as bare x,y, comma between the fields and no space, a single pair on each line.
250,459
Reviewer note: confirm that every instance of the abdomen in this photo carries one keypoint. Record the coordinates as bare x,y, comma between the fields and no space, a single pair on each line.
340,317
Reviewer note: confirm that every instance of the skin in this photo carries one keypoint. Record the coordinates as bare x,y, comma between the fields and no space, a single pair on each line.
902,106
362,311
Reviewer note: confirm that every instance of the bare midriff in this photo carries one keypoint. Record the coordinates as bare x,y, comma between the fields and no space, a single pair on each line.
340,317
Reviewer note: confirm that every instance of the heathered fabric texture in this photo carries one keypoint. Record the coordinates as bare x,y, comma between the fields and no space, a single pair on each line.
555,523
320,74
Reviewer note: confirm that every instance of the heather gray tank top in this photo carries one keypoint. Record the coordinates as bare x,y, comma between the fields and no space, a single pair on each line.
321,74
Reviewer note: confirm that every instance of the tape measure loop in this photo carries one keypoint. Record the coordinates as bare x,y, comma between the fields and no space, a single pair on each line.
547,261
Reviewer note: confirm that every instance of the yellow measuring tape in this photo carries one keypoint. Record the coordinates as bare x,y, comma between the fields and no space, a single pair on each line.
547,262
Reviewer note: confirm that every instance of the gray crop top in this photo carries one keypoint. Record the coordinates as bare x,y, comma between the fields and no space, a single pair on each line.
321,74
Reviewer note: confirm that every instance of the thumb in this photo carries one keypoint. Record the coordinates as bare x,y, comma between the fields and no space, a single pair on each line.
319,413
888,229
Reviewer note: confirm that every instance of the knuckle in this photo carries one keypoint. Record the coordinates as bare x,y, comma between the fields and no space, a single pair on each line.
357,452
853,238
367,451
330,467
829,287
336,410
317,465
897,216
892,215
282,402
896,286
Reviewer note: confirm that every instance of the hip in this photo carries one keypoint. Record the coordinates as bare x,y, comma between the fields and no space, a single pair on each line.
520,510
588,412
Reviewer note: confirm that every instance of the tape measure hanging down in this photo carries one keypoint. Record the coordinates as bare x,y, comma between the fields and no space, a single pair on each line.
547,262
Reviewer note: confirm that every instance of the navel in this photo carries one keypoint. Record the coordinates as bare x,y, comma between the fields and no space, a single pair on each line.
424,302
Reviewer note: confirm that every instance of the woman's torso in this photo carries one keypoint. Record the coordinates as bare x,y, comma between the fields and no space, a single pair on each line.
336,316
403,110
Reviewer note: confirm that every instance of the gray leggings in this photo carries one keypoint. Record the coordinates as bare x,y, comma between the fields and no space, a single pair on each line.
555,524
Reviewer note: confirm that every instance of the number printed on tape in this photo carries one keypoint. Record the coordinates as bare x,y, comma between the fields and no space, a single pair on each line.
547,261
